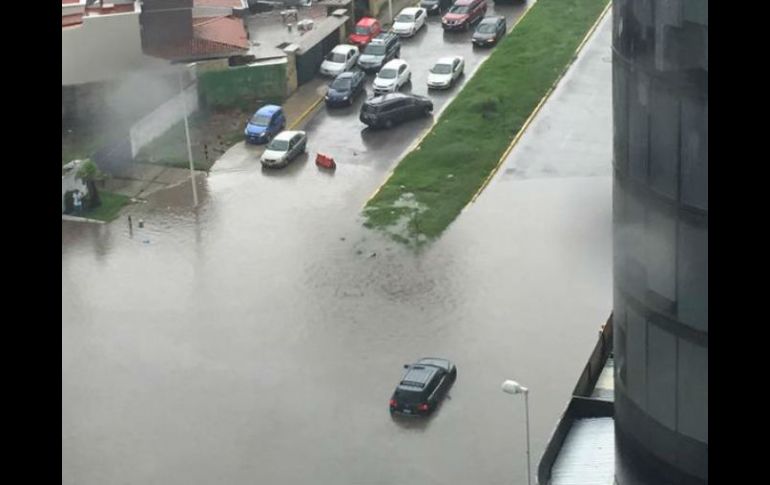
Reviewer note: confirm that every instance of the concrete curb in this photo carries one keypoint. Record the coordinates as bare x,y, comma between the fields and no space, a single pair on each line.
67,217
539,106
302,117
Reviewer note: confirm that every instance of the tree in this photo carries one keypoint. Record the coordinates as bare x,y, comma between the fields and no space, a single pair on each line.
89,173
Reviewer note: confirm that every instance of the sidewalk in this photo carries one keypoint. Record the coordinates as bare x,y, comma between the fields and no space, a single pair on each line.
298,109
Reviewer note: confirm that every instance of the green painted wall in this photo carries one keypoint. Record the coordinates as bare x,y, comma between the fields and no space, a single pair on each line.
238,87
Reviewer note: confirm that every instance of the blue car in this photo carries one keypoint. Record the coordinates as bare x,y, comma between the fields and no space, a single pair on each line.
267,122
345,88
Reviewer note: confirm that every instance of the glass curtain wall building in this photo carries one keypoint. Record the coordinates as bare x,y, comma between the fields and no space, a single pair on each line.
660,211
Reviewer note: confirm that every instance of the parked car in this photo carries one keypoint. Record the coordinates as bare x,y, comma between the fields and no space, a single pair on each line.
436,6
409,21
445,72
345,88
340,59
394,108
391,77
463,14
284,148
366,29
379,51
489,31
423,387
265,124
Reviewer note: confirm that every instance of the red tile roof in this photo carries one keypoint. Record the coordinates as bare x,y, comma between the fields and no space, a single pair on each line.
213,37
122,8
222,30
217,3
70,20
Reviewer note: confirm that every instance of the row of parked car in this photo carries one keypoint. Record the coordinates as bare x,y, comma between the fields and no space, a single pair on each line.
381,54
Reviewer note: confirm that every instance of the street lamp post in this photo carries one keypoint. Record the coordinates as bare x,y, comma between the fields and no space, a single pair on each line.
513,387
187,136
390,11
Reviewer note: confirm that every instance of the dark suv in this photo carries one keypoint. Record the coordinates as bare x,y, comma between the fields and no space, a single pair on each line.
423,387
379,51
390,109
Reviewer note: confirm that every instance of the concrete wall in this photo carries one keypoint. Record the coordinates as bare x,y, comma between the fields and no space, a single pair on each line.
164,117
240,87
103,48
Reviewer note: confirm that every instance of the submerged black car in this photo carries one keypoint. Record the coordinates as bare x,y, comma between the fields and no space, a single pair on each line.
436,6
393,108
345,88
423,387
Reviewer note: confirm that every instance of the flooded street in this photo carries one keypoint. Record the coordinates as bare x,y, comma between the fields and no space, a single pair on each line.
257,339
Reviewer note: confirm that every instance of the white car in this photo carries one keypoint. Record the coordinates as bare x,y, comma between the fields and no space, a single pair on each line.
340,59
284,148
391,77
409,21
445,72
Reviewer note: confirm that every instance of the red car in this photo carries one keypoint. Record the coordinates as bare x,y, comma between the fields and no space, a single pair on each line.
366,29
463,14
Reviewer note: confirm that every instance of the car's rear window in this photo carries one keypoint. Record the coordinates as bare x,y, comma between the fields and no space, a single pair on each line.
368,108
408,397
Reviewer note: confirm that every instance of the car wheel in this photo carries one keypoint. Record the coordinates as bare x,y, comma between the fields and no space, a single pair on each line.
388,123
427,110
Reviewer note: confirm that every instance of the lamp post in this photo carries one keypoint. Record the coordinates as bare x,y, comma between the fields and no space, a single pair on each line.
187,136
513,387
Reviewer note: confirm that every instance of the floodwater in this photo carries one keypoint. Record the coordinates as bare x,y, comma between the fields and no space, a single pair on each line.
258,338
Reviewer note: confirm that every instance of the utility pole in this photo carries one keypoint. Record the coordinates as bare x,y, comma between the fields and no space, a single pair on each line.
187,136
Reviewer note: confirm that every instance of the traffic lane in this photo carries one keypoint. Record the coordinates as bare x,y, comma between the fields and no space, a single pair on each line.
330,130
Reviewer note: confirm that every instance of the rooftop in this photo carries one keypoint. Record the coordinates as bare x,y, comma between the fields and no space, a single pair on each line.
588,454
212,37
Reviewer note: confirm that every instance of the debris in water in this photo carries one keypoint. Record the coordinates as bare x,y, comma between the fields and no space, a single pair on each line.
373,255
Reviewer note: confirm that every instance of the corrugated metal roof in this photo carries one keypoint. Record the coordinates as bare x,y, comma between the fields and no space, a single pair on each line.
588,454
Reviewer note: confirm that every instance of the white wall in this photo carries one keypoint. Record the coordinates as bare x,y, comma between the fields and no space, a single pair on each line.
103,48
164,117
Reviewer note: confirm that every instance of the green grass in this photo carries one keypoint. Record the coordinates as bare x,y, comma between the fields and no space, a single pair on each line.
454,159
110,207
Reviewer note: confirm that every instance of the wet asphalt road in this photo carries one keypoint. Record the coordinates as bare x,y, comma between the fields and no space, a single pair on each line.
338,131
258,339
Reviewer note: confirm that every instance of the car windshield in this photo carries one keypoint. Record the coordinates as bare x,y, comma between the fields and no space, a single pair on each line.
387,74
260,120
405,17
341,84
335,57
361,30
486,28
442,69
278,145
458,9
375,49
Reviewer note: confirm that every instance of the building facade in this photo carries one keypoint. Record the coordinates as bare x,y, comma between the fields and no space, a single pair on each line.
660,233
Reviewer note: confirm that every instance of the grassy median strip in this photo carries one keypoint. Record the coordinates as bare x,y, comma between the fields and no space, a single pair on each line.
433,183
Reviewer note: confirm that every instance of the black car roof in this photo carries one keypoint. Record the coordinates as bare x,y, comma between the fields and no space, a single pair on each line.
419,375
386,98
